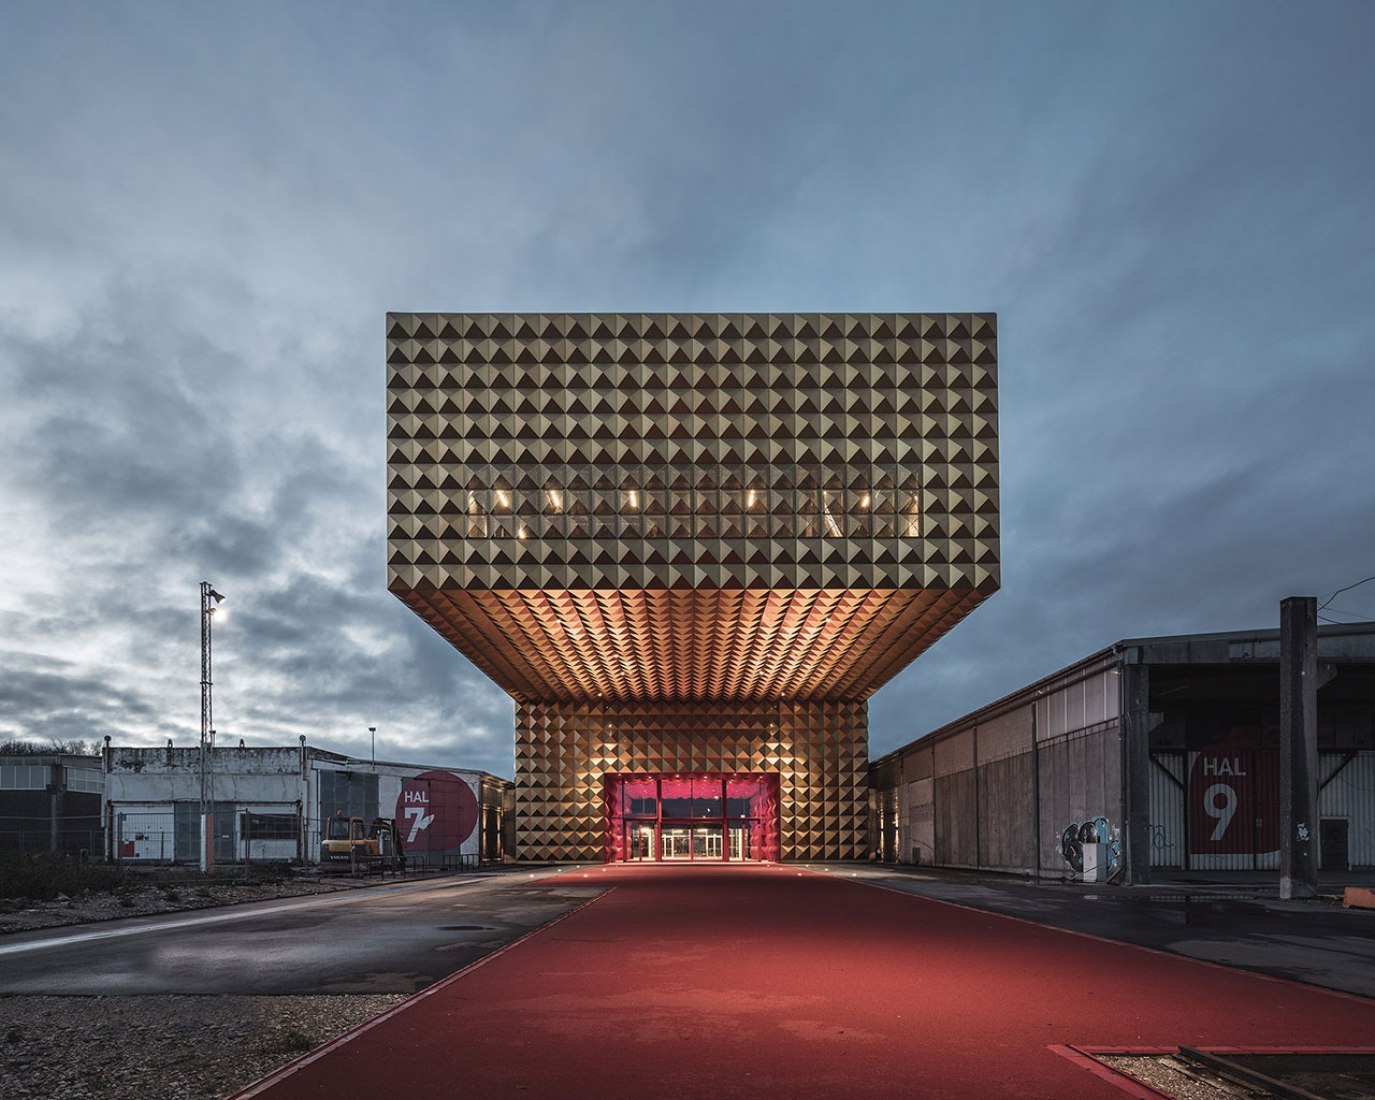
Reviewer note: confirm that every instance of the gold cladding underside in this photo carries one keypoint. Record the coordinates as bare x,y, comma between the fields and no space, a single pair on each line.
692,645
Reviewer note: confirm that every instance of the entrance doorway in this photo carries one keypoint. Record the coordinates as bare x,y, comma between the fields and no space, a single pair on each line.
687,818
690,842
641,842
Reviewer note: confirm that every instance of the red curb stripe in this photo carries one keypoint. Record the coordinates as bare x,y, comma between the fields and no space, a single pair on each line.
296,1065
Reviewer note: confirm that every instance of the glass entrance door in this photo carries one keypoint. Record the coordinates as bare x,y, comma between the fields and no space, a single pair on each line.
740,840
690,842
706,842
641,842
675,842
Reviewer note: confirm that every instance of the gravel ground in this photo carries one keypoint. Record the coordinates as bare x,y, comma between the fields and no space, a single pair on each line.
173,1047
1168,1074
138,899
177,1047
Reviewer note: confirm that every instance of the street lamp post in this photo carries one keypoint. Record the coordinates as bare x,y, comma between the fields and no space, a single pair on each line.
373,730
210,599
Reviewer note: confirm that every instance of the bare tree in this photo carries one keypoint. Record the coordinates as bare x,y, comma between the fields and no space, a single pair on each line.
16,746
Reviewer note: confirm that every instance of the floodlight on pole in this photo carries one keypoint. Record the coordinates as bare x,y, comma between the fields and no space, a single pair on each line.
210,599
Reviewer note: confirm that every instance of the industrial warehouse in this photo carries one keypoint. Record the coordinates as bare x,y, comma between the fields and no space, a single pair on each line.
690,547
1160,753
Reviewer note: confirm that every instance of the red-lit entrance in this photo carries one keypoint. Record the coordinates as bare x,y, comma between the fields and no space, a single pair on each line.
683,818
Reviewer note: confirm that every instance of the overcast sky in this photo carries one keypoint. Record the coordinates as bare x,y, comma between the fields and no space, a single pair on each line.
206,211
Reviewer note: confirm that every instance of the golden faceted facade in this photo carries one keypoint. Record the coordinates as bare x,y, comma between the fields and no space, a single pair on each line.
818,749
720,514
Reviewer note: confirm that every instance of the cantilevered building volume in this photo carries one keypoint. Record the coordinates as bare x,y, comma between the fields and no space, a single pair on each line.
691,546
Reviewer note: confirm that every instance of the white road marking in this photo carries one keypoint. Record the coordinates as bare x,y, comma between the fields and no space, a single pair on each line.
216,918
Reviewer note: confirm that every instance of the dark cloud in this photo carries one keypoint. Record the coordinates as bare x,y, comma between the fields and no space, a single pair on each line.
215,208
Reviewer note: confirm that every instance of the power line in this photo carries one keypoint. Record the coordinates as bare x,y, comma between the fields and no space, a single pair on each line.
1339,591
1358,615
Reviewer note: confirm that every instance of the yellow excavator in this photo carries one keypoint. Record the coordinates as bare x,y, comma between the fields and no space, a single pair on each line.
350,844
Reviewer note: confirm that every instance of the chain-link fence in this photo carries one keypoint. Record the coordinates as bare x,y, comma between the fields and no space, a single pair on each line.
252,835
81,836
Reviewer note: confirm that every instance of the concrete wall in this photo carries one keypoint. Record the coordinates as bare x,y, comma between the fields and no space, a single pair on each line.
997,793
174,775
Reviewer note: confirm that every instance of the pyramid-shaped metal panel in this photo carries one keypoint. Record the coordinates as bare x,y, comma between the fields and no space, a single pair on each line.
692,506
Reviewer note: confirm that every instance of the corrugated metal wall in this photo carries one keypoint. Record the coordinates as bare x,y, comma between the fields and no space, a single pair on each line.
1225,817
1168,837
1349,795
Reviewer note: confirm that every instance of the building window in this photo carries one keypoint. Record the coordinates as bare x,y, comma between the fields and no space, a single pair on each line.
859,505
85,779
24,777
267,826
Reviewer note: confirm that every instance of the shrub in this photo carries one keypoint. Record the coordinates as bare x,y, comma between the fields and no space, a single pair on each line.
41,877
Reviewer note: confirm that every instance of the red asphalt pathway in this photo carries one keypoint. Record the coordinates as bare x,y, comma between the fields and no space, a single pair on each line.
763,982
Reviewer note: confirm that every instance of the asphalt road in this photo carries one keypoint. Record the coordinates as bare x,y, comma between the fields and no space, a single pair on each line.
386,939
1304,941
401,938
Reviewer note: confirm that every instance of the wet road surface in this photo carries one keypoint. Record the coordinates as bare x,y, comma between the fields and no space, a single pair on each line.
385,939
1305,941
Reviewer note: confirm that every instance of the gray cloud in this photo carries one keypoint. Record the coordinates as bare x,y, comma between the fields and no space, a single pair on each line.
215,207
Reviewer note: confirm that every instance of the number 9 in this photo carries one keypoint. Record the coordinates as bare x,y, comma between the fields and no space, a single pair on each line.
1222,814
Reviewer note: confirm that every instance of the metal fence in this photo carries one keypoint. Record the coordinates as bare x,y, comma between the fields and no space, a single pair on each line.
80,836
252,835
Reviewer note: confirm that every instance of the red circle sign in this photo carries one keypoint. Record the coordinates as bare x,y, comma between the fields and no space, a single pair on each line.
435,812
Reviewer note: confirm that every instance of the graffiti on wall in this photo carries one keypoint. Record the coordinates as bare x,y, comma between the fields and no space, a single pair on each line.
1096,830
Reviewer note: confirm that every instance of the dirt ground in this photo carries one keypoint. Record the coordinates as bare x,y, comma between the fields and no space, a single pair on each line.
141,896
172,1047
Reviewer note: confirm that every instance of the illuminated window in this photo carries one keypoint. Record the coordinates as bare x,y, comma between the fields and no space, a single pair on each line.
579,519
829,503
911,517
477,518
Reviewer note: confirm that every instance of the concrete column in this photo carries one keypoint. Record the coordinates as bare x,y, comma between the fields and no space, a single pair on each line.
57,787
1299,747
1135,724
1036,779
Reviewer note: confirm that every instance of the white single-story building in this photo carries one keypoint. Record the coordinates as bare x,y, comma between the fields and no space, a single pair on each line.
269,804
